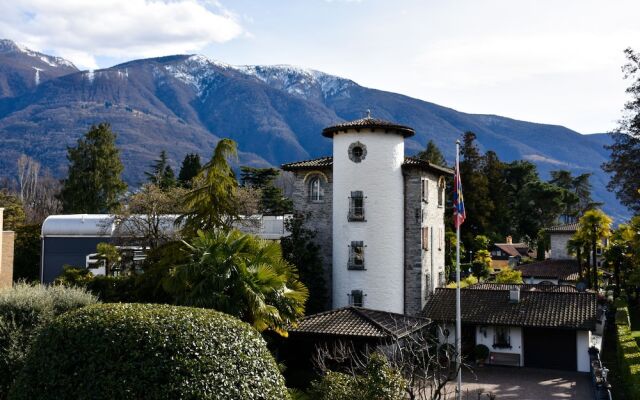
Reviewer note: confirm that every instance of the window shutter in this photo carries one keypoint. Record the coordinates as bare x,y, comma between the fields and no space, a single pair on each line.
425,238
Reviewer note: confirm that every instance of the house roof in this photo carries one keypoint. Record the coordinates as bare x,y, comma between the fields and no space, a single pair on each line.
327,162
359,322
423,164
318,163
540,309
564,270
514,249
525,287
566,228
369,123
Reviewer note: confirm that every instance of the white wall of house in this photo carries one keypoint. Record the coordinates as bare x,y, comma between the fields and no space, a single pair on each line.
433,218
485,335
559,246
535,281
379,177
583,341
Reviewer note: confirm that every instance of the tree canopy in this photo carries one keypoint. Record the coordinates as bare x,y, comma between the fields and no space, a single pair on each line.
624,162
93,184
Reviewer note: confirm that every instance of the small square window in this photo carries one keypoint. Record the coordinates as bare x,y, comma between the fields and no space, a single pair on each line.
356,298
356,255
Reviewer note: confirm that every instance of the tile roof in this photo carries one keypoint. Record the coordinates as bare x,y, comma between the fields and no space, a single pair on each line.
327,162
369,123
535,309
525,287
323,162
416,162
564,270
359,322
568,228
514,249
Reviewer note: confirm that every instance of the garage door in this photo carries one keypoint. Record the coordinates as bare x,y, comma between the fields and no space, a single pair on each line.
550,348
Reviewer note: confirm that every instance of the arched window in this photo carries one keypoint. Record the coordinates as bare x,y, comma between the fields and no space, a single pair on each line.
316,191
441,185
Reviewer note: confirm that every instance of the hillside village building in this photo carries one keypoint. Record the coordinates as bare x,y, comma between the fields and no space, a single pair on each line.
378,215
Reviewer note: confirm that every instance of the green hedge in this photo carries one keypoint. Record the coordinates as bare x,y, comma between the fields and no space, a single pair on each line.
629,361
24,310
144,351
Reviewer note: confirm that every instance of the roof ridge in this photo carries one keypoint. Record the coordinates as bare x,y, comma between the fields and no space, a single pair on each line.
358,311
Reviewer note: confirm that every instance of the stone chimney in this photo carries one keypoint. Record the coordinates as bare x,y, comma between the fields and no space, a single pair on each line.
514,295
509,240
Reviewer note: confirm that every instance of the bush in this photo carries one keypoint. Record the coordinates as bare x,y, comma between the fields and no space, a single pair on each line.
109,289
379,381
24,310
145,351
481,352
629,361
622,316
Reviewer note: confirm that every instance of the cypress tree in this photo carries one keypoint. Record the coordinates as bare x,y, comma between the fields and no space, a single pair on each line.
432,154
94,183
190,167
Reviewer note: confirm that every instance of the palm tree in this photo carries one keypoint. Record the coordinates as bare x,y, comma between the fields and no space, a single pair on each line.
212,203
240,275
619,252
593,226
575,245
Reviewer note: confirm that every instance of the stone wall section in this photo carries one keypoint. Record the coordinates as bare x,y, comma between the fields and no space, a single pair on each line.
318,216
420,278
6,264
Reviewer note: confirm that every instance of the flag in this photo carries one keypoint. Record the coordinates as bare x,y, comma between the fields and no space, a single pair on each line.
459,214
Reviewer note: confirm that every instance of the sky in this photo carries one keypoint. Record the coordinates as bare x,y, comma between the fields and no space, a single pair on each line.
555,62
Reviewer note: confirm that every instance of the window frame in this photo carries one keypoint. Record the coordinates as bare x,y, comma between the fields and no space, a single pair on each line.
501,337
352,214
311,185
441,189
356,293
352,263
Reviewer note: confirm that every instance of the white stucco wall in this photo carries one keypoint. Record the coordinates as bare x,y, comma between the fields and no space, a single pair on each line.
515,334
379,177
559,246
583,340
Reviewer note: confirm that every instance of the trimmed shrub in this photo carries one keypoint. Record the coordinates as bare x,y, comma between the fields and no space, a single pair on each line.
24,310
145,351
379,381
629,361
481,352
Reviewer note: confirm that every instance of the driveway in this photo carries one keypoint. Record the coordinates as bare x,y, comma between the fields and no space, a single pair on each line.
524,384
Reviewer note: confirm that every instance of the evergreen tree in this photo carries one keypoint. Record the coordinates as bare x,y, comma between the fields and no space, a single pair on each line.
580,199
161,173
501,225
272,200
212,203
94,184
477,201
624,164
189,169
300,250
432,154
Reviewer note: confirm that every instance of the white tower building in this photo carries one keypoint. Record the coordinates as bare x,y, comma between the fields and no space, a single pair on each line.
368,214
378,217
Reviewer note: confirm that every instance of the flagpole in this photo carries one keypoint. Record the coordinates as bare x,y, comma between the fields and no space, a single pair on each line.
458,319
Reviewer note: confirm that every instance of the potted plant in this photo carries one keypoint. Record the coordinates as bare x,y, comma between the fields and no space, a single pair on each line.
481,353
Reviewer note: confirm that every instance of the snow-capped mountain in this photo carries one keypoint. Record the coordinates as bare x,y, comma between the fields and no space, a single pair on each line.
21,69
185,103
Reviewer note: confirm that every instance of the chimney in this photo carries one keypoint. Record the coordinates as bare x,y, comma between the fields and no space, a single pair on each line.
514,295
509,240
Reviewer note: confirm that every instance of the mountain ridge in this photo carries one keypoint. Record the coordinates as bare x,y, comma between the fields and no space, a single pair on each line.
185,103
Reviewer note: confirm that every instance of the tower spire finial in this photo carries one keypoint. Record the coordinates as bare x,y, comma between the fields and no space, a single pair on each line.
368,113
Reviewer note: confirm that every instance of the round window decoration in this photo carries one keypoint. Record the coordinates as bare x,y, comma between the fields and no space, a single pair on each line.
357,152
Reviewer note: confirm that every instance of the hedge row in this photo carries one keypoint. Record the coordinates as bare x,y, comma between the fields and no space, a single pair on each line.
629,361
152,352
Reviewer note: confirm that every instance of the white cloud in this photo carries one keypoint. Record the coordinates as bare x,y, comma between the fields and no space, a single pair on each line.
82,30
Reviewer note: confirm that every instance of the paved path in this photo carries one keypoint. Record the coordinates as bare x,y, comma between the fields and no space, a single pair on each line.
525,384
